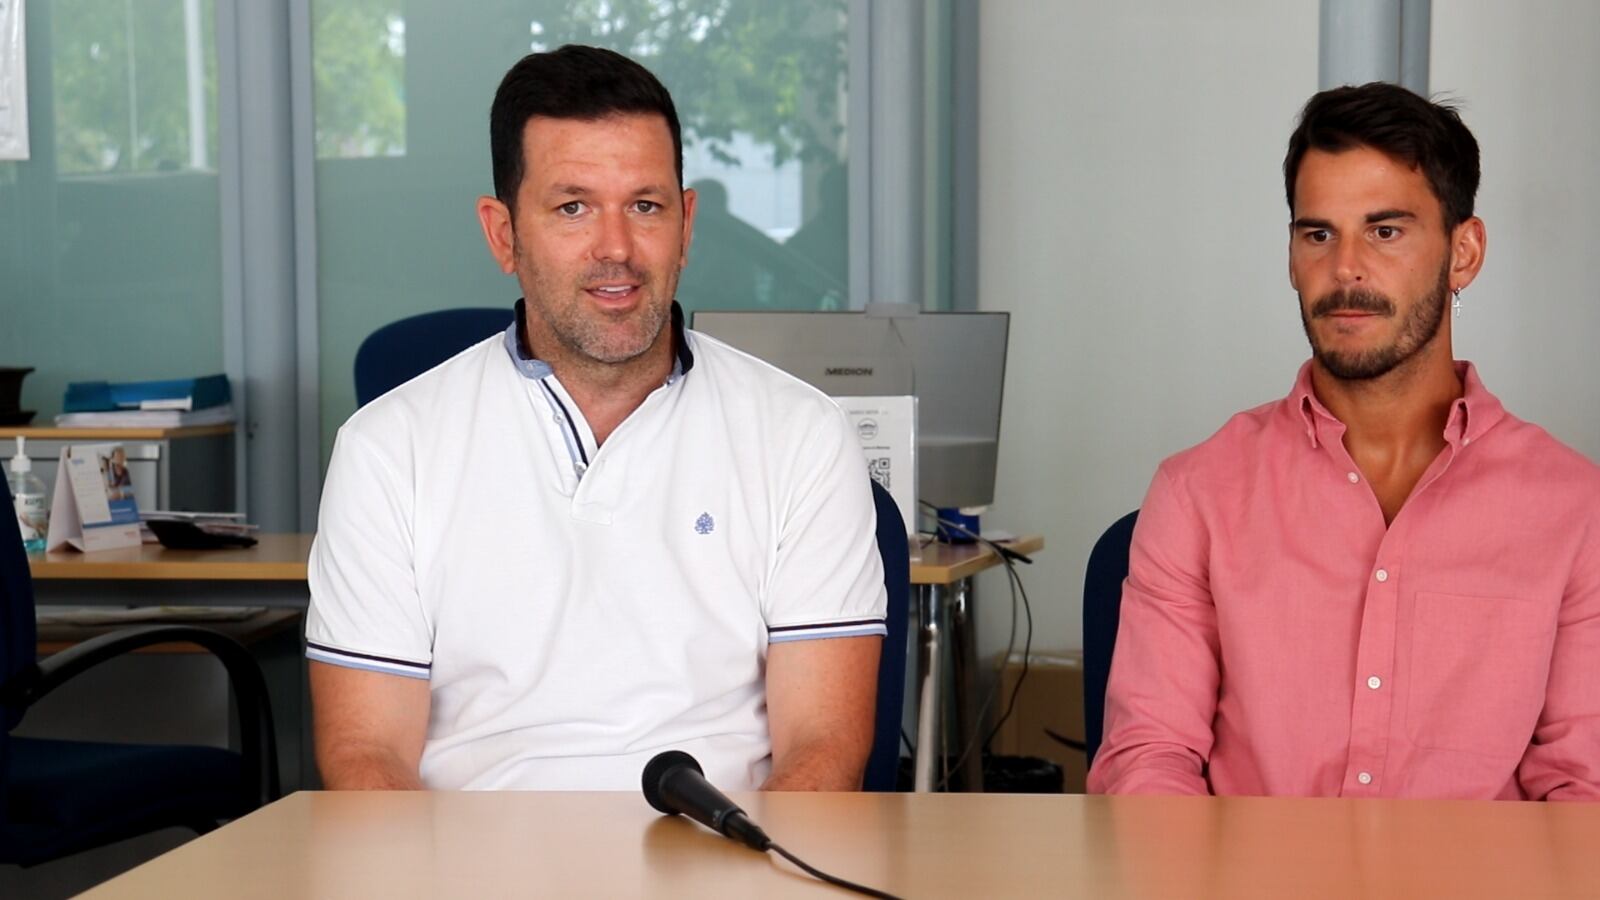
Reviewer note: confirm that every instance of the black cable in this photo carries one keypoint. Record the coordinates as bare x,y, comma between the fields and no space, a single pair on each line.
1027,654
830,879
994,683
1013,581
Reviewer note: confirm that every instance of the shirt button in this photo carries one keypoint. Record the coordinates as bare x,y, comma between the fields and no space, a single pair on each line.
1374,682
556,418
1466,441
1364,778
1353,477
1381,575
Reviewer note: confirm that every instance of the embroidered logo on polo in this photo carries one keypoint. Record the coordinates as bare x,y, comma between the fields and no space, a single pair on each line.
705,524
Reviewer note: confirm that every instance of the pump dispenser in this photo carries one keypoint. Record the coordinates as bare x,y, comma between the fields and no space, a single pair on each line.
28,498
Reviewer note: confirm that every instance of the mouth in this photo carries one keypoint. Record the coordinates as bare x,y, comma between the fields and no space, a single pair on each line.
614,295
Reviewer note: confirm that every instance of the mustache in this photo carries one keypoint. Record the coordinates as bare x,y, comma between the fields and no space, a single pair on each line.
1357,300
614,272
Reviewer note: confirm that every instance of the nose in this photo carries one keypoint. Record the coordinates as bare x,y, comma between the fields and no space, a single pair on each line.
1349,264
613,237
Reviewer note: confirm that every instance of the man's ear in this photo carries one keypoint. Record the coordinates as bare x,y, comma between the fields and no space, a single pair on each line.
1468,243
498,232
690,198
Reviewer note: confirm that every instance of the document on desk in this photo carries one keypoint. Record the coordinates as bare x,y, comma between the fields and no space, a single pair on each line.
887,429
13,81
93,507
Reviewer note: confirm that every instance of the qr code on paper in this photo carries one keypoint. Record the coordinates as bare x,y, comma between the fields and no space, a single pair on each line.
878,468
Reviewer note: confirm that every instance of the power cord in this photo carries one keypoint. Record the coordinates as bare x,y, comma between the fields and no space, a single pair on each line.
1009,557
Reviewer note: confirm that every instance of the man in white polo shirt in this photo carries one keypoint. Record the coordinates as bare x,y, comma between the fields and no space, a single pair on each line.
597,536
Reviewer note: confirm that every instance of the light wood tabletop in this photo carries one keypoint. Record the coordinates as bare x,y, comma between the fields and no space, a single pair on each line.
48,433
936,563
277,557
501,844
282,557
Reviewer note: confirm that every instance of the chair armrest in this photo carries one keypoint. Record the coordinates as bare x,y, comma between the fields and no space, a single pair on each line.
258,742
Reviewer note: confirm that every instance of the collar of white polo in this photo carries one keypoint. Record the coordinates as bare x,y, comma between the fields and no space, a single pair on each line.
537,369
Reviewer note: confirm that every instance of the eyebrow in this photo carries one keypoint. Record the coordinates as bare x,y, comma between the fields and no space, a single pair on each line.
1382,215
577,190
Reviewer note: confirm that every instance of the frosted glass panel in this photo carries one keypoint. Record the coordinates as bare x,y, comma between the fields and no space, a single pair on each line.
403,92
109,249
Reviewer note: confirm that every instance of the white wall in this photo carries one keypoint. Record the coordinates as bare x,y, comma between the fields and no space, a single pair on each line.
1528,77
1132,219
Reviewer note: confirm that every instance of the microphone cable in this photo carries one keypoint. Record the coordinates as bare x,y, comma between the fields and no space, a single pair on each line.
820,875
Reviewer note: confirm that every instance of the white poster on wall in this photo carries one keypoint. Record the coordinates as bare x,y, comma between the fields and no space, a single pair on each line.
13,82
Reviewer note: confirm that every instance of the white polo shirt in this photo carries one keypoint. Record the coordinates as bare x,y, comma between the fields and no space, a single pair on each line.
578,609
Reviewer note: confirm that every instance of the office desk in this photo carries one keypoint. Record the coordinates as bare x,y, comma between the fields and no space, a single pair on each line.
273,574
942,574
527,844
270,574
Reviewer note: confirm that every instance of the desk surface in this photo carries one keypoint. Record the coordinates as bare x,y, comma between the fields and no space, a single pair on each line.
936,563
282,557
278,557
47,433
916,845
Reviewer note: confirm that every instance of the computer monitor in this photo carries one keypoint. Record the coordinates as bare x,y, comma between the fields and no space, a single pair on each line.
953,362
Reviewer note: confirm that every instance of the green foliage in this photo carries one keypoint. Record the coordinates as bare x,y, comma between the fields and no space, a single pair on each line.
772,69
358,64
120,79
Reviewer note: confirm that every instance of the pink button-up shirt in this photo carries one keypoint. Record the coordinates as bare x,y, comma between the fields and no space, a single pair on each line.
1277,638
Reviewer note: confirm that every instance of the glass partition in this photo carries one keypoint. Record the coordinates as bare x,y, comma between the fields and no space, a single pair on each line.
109,249
402,106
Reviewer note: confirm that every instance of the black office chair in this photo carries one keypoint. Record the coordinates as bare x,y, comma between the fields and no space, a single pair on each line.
60,797
1102,610
400,351
883,764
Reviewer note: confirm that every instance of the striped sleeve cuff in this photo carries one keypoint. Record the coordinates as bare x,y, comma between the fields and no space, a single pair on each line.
370,662
779,634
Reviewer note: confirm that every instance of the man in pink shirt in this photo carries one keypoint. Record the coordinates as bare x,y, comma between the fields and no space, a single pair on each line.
1384,585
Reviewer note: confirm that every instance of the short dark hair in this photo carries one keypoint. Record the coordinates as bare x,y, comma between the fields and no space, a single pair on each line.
573,82
1423,134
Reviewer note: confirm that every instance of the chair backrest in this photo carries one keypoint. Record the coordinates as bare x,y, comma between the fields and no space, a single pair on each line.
17,646
400,351
883,765
1102,609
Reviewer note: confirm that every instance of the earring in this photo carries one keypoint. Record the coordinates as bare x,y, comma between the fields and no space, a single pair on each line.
1456,303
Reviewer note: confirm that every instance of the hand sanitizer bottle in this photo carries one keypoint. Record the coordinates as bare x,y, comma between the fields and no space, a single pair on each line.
28,496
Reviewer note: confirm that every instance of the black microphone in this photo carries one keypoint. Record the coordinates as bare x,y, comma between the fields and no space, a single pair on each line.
674,783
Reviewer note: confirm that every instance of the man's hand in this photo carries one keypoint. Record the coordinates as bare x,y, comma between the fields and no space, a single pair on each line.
369,728
821,695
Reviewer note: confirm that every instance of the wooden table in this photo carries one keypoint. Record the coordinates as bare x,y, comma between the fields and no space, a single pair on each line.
527,844
270,574
277,559
942,574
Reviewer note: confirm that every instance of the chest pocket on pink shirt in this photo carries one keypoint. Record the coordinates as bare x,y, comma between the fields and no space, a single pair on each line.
1478,671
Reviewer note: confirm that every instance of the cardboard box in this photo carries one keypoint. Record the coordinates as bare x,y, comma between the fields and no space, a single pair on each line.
1051,698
